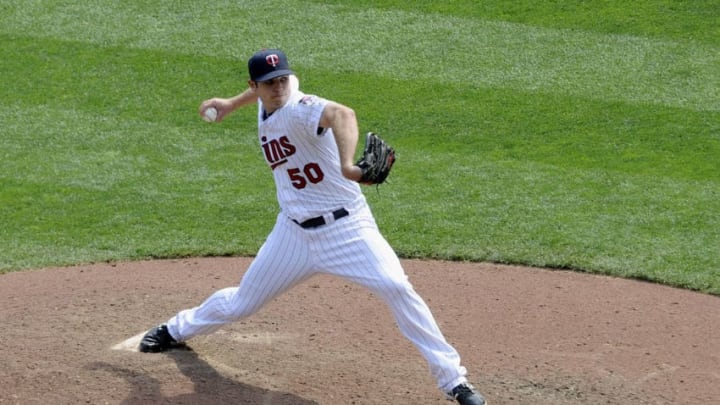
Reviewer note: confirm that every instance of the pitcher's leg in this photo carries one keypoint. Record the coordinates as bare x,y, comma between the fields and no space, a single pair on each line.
417,323
369,260
281,263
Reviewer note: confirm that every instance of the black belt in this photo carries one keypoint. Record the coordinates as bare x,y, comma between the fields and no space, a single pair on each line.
320,221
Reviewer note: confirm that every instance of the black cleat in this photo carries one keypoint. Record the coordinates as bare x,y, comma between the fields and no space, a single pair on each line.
157,339
465,394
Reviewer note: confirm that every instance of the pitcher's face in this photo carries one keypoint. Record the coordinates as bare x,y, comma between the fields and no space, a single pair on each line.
274,93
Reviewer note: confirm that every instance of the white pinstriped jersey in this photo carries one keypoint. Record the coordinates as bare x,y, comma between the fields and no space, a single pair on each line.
305,162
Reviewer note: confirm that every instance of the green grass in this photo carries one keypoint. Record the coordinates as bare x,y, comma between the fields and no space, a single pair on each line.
580,135
689,20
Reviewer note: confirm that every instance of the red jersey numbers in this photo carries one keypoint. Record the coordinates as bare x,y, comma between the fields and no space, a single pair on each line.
310,173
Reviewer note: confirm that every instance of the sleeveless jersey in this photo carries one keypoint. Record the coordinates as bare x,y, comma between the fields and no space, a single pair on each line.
304,159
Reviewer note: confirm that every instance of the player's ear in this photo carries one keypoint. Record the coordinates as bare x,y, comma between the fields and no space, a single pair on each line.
252,84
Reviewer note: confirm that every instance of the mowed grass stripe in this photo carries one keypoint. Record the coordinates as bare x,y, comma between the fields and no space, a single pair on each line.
126,89
403,44
695,20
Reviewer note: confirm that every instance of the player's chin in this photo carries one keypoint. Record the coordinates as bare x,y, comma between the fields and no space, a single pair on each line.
280,97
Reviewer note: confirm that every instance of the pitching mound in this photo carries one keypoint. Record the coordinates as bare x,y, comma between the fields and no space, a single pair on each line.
528,336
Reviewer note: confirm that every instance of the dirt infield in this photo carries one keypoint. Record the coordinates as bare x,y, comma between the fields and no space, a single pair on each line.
528,336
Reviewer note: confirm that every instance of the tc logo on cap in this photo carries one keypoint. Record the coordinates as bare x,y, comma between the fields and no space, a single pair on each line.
272,60
268,64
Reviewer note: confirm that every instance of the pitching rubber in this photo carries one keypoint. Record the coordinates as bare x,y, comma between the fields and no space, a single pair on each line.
131,344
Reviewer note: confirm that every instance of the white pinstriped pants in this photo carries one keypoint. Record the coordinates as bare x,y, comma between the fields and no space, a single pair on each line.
352,248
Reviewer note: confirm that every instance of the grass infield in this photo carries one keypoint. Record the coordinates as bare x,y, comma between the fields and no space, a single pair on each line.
578,135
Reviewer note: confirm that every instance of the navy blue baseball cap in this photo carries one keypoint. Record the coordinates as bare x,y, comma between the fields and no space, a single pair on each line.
268,64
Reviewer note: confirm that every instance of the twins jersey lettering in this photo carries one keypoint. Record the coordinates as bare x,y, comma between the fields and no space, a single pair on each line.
305,163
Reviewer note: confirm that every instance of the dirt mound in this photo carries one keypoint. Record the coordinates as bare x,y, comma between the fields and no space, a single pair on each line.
527,336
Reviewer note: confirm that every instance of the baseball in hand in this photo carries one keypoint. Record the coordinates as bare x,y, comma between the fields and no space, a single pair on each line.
210,114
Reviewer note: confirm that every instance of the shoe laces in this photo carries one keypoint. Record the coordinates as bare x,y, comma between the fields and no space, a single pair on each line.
461,390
